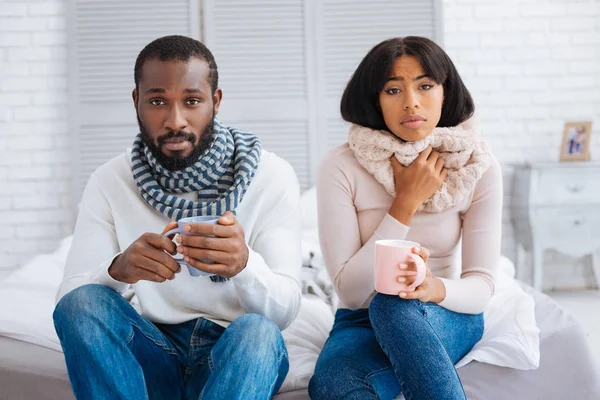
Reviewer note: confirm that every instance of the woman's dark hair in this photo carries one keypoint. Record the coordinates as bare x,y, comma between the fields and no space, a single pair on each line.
360,102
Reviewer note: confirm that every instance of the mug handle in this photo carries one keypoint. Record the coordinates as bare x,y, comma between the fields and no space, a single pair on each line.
421,271
173,231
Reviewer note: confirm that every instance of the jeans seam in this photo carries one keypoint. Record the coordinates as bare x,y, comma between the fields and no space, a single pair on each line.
161,345
408,395
366,378
209,359
283,353
130,337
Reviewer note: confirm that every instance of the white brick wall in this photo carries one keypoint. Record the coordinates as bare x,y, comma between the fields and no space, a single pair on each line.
34,173
531,65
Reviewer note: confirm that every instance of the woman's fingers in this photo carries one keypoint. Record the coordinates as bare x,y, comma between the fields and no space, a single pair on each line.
409,265
439,164
403,272
424,154
421,252
406,280
414,295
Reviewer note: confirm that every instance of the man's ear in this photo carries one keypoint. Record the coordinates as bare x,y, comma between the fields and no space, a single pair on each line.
217,97
134,96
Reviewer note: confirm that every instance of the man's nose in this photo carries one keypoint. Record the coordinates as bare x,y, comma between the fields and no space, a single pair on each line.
175,120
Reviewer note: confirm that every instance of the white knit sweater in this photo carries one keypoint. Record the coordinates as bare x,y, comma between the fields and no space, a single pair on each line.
113,215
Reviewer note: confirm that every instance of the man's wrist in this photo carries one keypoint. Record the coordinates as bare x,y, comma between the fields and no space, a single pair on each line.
113,268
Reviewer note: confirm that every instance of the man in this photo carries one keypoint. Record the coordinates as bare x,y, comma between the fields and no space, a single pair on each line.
209,337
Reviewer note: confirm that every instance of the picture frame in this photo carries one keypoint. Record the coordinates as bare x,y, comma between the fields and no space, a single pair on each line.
576,141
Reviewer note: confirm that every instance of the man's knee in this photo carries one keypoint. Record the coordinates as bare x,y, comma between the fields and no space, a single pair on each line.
256,336
83,304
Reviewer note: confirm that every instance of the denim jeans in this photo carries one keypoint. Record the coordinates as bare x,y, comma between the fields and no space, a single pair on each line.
114,353
396,346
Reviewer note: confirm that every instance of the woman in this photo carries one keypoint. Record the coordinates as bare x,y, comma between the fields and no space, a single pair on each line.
414,169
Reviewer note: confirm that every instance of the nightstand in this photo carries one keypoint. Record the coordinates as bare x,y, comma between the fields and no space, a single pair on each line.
557,206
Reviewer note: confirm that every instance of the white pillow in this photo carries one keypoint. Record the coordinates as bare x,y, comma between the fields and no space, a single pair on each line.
29,294
511,337
304,339
308,209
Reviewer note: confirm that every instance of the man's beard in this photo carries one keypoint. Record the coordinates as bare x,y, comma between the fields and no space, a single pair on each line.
177,163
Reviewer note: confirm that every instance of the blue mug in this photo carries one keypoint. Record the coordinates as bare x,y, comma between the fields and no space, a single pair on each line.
180,230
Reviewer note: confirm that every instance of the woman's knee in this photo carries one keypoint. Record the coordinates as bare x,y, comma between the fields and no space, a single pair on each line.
392,313
336,380
384,306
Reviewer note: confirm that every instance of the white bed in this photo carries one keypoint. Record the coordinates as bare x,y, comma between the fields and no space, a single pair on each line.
567,370
32,366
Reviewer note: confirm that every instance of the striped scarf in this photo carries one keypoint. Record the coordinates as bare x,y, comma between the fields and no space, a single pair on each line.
221,175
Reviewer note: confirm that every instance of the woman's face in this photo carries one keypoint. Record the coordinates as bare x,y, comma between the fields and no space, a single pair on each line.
411,102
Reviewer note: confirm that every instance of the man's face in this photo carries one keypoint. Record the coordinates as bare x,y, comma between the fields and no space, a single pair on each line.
175,110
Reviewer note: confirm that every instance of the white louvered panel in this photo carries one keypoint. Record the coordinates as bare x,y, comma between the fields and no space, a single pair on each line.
352,27
105,37
100,143
337,132
347,30
110,34
260,50
286,138
259,47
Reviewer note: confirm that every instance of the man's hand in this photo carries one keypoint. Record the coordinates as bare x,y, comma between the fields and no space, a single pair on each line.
224,245
146,260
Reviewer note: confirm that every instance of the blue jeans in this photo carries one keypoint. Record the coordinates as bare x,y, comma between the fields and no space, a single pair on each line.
114,353
396,346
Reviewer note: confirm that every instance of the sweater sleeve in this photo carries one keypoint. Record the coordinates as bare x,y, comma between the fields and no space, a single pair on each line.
481,243
270,283
348,261
94,245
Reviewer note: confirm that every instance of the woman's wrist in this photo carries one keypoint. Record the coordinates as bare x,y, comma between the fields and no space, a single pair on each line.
403,210
439,291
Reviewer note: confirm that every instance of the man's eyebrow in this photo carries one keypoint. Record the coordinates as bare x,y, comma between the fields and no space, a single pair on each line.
399,78
155,90
161,90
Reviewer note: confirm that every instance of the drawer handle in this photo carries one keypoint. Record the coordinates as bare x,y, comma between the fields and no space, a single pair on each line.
575,188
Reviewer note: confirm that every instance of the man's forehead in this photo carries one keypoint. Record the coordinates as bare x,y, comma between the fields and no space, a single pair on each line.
156,72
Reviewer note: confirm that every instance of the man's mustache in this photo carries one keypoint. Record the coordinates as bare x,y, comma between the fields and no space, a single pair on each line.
176,135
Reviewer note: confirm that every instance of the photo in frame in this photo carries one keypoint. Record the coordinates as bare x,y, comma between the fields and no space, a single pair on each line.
576,141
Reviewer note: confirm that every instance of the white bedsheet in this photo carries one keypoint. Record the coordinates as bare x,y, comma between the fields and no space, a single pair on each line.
511,336
28,295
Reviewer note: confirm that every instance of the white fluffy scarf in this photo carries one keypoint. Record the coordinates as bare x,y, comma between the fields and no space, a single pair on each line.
465,155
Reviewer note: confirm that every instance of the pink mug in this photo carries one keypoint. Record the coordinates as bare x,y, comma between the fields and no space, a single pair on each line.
389,254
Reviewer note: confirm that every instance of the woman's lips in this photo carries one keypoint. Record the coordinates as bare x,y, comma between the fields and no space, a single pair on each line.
414,124
413,121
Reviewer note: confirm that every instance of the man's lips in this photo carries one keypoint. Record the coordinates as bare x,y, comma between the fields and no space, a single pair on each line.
176,144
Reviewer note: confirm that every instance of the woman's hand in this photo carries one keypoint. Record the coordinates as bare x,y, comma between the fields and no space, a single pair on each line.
416,183
431,290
